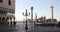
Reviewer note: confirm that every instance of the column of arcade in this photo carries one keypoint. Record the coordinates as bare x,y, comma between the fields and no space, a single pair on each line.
5,20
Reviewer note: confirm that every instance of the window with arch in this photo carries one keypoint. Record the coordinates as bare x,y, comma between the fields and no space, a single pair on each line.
1,1
9,2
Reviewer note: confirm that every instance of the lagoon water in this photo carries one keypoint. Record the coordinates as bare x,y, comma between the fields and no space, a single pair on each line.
20,27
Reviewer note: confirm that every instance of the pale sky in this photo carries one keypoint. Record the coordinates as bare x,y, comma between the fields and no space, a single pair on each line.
41,7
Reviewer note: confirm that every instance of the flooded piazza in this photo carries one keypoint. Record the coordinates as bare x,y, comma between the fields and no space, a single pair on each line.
20,27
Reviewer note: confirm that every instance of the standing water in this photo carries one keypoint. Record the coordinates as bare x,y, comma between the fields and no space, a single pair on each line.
20,27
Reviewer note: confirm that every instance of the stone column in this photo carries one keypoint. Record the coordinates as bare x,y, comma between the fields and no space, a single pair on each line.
14,22
52,13
7,20
11,21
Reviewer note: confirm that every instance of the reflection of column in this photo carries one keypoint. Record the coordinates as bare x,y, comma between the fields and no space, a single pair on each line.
36,17
52,13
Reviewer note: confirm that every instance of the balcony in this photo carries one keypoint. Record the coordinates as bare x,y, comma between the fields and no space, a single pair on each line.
8,10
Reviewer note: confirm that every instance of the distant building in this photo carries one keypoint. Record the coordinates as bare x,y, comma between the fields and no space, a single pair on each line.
49,20
29,20
7,10
42,19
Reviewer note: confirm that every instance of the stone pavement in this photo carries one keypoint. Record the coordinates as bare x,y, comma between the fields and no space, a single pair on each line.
20,27
45,29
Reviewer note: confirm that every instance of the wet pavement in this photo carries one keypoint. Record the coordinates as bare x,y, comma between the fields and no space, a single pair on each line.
20,27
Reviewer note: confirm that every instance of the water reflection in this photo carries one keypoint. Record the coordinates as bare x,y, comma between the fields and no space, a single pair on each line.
20,27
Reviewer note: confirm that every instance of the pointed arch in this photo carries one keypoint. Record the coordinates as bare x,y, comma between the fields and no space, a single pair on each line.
9,2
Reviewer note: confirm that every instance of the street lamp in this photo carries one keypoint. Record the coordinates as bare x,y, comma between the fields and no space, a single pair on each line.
26,14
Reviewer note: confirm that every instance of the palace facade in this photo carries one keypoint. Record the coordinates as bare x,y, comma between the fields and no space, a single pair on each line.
7,10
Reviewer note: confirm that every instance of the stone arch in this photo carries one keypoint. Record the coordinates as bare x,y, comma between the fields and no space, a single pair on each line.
3,19
7,19
10,20
13,19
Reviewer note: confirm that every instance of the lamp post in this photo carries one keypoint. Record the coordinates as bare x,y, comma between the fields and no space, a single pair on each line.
26,14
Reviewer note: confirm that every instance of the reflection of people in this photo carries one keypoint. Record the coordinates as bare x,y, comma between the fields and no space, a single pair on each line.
11,22
14,22
7,22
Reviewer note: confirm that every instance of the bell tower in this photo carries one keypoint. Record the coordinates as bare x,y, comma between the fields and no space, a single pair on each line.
52,13
31,14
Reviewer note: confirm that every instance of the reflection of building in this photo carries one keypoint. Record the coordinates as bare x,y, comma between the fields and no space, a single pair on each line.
7,10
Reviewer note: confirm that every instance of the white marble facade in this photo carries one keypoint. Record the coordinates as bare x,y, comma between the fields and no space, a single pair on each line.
7,10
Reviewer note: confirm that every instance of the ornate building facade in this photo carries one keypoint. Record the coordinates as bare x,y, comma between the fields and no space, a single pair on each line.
7,10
